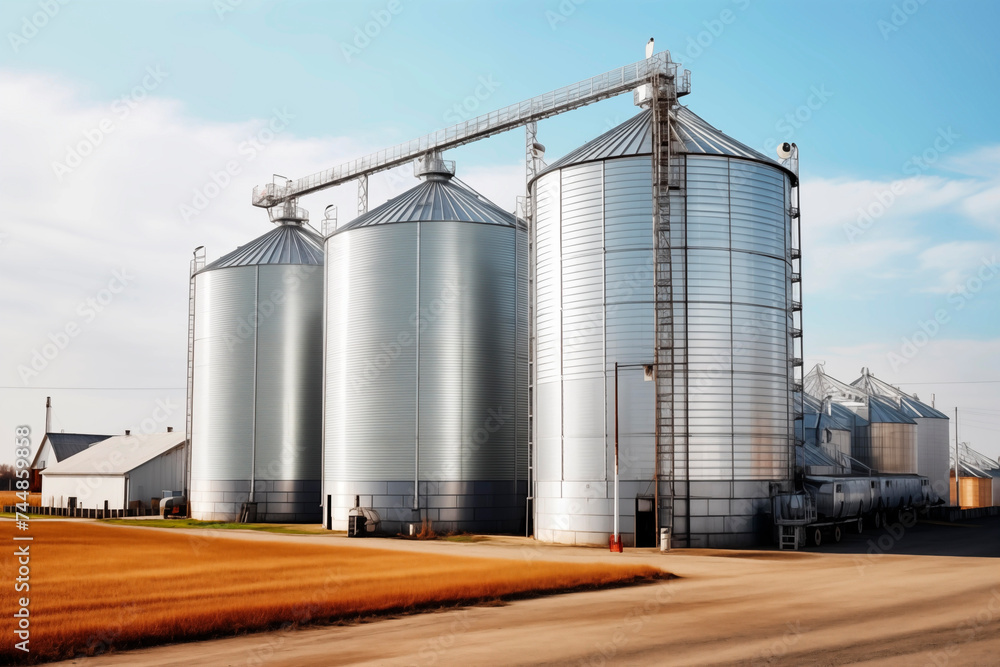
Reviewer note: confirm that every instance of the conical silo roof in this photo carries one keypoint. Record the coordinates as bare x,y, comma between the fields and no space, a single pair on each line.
839,418
285,244
907,404
973,463
885,411
812,455
635,137
914,408
820,385
436,199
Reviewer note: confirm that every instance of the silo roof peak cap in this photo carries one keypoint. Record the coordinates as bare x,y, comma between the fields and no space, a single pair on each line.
432,167
288,213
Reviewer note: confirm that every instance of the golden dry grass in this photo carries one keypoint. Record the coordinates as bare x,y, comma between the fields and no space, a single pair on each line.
97,587
10,498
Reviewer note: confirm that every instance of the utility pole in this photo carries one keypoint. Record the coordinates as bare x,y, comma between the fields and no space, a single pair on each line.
958,492
616,539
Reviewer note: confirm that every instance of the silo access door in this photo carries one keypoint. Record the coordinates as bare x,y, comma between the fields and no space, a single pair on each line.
645,523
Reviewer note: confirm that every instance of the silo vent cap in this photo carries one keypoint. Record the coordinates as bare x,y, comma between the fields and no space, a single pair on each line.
432,167
287,213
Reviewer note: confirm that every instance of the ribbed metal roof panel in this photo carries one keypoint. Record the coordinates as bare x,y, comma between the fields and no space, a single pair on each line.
812,455
635,137
435,200
286,244
885,411
839,417
908,405
700,137
911,407
65,445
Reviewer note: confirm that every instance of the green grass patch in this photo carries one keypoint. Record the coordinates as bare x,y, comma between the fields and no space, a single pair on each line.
212,525
464,538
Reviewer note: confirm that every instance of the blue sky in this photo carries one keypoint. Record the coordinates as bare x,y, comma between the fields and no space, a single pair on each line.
862,87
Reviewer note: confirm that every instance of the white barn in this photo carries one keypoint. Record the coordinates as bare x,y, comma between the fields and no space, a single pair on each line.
117,471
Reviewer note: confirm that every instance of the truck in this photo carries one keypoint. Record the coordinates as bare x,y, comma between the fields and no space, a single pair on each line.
834,503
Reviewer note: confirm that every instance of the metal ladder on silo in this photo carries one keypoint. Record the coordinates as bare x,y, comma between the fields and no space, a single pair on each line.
668,182
197,263
797,352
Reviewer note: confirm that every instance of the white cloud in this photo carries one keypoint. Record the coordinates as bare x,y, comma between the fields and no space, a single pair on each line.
120,210
955,262
856,208
984,207
892,236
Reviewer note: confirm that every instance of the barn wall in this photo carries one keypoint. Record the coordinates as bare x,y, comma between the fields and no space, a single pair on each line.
90,490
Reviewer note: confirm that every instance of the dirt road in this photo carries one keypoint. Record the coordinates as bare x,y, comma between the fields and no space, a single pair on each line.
749,607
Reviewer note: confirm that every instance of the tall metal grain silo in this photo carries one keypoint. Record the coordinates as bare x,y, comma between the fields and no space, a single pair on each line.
728,391
892,437
426,399
256,394
932,430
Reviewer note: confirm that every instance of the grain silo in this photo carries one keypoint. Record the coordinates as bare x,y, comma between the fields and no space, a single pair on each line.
256,406
827,424
979,479
892,437
727,388
426,398
932,430
886,439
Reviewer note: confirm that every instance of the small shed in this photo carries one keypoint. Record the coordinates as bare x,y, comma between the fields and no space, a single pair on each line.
117,471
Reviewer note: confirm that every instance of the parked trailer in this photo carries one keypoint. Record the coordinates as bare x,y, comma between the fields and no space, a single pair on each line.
835,503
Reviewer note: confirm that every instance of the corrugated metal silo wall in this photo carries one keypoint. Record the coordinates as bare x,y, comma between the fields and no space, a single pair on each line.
893,447
257,392
932,453
595,306
976,491
861,444
457,378
841,441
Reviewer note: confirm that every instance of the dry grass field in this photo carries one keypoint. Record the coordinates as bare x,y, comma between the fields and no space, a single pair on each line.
96,588
10,498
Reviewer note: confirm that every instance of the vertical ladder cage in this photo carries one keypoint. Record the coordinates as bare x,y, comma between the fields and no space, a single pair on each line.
197,264
796,352
667,183
531,171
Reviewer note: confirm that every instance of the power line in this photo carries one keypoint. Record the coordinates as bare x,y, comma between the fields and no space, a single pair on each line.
956,382
967,420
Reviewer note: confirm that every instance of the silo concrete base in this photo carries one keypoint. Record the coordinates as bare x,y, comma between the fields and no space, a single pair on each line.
278,501
475,507
723,514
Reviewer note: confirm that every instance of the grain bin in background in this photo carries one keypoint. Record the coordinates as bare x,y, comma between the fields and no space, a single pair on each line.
932,427
885,438
426,397
256,406
892,437
827,424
